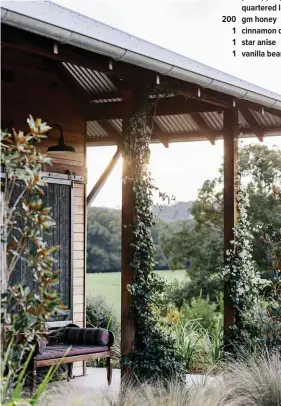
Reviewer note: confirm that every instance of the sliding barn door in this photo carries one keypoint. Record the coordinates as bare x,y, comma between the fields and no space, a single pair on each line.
59,196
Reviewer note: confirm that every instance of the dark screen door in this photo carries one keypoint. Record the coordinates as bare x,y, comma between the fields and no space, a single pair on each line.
58,196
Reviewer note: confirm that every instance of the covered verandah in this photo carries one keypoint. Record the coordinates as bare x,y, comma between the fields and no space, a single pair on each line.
86,77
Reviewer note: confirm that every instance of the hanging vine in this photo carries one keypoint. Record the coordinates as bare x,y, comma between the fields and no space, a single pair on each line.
240,271
154,355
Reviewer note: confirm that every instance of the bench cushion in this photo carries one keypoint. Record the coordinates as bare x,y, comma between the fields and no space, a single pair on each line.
58,351
88,336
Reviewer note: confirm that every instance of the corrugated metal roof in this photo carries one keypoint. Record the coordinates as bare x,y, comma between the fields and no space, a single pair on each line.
105,101
242,122
66,26
117,124
214,120
266,119
94,130
95,83
179,123
91,81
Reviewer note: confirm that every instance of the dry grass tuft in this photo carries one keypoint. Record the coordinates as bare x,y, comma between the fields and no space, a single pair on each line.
255,381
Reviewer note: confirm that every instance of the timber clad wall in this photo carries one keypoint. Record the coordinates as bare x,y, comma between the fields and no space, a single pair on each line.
37,90
79,262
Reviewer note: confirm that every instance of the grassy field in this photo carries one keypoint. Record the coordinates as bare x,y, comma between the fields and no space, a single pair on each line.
109,285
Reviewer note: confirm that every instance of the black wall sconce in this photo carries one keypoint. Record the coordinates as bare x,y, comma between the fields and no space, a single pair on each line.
61,147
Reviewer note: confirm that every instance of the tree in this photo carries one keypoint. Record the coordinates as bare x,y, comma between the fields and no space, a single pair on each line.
202,243
103,240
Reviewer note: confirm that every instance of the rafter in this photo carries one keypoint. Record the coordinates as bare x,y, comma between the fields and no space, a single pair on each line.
103,178
156,129
196,92
14,38
248,116
206,130
172,137
257,107
66,78
165,107
42,46
105,95
111,130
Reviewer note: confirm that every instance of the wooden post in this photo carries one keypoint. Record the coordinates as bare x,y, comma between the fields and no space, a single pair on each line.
230,206
128,201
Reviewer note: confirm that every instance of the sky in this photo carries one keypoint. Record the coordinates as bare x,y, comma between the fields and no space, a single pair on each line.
193,28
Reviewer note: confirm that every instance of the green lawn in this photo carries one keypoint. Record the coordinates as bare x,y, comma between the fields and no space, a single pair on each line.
109,285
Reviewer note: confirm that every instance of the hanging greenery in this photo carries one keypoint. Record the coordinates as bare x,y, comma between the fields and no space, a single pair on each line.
240,271
154,355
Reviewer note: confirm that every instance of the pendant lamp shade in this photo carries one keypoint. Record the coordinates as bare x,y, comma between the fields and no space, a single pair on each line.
61,147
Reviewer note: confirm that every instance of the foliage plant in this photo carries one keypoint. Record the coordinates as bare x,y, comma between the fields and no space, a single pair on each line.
154,355
240,271
202,239
243,279
198,329
100,314
16,395
275,260
203,310
25,311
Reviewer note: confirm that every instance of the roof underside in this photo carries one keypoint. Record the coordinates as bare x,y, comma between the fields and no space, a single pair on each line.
178,126
193,112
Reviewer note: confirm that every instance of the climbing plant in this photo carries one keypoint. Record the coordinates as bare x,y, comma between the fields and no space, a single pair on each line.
240,271
154,355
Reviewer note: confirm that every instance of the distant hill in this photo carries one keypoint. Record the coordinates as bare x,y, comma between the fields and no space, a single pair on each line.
104,235
175,212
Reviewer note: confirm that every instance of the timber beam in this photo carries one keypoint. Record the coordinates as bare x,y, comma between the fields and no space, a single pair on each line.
165,107
163,138
257,107
117,71
248,116
171,137
105,95
110,129
67,79
103,178
30,43
207,131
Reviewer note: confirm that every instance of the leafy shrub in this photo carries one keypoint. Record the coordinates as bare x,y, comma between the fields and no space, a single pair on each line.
100,314
188,336
25,311
201,349
203,311
198,328
260,331
183,292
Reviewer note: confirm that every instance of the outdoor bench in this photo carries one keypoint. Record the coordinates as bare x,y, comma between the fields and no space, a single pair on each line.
74,344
